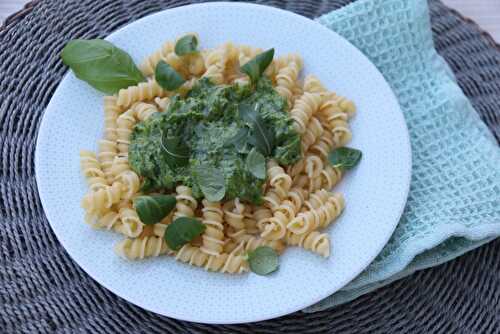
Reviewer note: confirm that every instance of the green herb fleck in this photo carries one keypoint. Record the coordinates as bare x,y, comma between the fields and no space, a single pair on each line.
256,66
167,77
263,260
211,181
345,158
186,45
256,164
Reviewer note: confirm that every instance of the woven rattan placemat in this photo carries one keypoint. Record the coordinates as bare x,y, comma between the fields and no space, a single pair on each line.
43,291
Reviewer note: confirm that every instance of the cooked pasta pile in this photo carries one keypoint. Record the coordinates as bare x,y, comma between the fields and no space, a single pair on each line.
297,204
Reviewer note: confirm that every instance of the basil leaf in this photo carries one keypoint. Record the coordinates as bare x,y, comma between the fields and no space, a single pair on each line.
181,231
186,45
256,164
177,151
344,158
262,136
263,260
152,209
211,181
167,77
102,65
256,66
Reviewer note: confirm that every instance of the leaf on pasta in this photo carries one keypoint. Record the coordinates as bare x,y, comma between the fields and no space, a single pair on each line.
181,231
256,164
256,66
345,158
263,260
167,77
102,65
186,45
152,209
211,181
261,136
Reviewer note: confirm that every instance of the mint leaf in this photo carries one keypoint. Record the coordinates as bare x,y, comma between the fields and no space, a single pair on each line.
186,45
167,77
256,66
263,260
345,158
262,136
152,209
176,150
102,65
256,164
181,231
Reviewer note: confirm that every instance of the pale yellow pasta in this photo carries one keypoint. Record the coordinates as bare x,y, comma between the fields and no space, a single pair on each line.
313,131
186,203
251,242
323,145
234,214
91,169
107,221
141,248
278,179
96,202
144,91
111,113
167,54
295,169
131,183
162,103
249,220
107,152
329,177
119,165
213,218
224,263
292,204
273,228
215,63
131,224
303,109
261,212
272,198
313,241
314,165
286,78
313,85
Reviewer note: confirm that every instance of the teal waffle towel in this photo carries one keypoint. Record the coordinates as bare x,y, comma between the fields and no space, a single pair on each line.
454,200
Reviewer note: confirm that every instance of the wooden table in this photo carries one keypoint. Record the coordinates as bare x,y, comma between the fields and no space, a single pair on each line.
485,12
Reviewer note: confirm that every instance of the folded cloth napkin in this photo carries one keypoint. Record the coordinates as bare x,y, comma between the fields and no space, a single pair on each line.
454,200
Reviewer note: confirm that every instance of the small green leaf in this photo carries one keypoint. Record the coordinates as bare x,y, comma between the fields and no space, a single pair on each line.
344,158
256,66
152,209
262,136
167,77
186,45
256,164
101,64
211,181
181,231
239,141
176,150
263,260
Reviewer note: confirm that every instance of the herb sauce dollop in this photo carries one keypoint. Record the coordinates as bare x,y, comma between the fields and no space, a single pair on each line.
214,127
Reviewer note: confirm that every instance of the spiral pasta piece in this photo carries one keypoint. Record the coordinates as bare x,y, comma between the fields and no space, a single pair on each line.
131,183
167,54
314,165
111,112
286,77
131,224
296,168
142,92
322,212
272,199
341,133
303,109
162,103
273,228
329,177
215,63
292,204
186,204
214,233
230,263
323,145
107,153
313,131
313,85
91,169
313,241
234,214
96,202
107,221
138,249
278,179
251,242
119,165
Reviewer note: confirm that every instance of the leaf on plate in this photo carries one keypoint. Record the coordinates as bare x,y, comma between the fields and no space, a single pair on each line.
263,260
181,231
345,158
152,209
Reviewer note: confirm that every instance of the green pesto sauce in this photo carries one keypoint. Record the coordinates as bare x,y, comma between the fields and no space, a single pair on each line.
208,130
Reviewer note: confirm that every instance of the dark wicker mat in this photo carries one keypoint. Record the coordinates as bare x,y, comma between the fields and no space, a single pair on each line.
43,291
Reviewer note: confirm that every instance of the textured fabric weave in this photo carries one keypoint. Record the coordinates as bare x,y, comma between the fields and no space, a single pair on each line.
454,200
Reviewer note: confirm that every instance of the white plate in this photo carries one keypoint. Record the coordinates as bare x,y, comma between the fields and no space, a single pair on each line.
375,191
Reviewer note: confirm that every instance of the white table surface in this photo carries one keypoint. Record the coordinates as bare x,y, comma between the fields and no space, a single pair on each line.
485,12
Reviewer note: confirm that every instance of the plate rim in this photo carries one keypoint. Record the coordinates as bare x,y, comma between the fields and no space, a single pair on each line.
405,142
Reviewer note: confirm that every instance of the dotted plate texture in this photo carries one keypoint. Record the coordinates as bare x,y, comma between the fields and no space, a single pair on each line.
375,191
41,288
